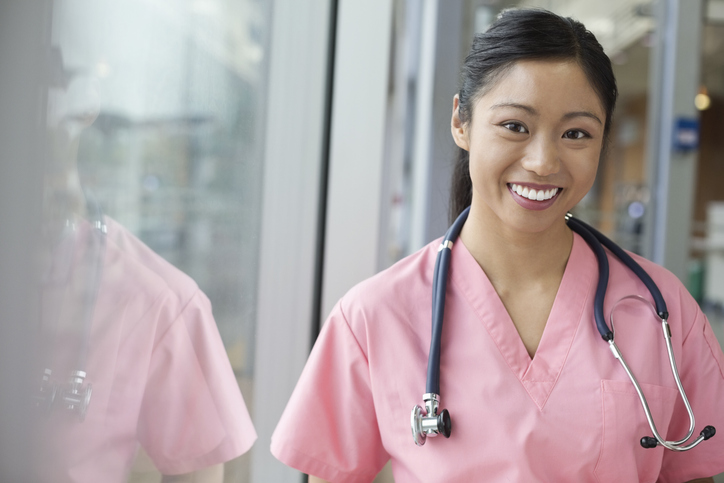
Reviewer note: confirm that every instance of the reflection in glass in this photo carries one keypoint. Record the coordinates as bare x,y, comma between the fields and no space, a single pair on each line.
154,120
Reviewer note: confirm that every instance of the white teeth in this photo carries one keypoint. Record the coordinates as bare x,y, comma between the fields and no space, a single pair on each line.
532,194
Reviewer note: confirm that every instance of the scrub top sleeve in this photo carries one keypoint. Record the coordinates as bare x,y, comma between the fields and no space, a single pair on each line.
329,428
702,375
193,415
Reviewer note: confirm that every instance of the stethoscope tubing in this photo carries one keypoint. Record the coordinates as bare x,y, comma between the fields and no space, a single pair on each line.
632,265
603,270
596,240
439,289
99,231
75,395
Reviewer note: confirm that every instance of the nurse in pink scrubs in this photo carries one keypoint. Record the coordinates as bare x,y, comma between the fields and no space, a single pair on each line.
534,394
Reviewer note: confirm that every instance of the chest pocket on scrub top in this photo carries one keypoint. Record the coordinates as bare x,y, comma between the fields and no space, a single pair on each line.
624,424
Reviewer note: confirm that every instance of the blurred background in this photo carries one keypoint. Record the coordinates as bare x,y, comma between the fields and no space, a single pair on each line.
278,152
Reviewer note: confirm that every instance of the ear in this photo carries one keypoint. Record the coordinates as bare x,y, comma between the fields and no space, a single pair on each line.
457,127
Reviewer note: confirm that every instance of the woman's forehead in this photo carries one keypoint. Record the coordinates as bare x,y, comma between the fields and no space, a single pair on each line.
549,84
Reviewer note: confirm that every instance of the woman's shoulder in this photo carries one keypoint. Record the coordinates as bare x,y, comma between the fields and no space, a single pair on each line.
666,280
143,270
680,303
398,288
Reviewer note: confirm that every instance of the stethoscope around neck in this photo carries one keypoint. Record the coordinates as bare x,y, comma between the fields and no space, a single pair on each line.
74,394
431,420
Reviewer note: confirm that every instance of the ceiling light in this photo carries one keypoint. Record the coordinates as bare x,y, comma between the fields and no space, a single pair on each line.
702,100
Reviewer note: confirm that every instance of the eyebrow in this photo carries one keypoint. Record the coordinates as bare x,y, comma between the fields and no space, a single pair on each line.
514,105
532,111
588,114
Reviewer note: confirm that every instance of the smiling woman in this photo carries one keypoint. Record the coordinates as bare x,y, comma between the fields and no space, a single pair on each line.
522,369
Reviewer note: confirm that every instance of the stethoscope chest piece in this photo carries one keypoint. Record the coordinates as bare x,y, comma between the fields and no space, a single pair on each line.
73,396
430,421
76,396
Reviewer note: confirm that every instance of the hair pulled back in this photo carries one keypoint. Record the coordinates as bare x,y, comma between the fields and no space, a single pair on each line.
526,34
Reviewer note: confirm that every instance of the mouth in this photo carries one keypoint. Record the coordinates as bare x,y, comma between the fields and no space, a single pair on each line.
534,199
534,194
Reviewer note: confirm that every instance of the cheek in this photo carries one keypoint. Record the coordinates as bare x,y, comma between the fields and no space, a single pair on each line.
586,172
488,160
484,171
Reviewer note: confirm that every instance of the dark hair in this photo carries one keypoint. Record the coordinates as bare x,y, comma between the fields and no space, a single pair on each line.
526,34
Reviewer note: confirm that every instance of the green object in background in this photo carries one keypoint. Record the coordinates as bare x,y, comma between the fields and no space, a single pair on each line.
695,283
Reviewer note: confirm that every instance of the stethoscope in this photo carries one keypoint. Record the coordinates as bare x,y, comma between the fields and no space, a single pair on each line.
431,421
74,395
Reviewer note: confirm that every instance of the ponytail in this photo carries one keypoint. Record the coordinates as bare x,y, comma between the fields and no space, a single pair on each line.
461,194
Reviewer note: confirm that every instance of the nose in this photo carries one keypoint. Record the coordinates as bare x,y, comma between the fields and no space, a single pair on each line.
542,157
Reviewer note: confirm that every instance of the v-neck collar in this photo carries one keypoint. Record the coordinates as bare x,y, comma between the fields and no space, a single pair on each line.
538,375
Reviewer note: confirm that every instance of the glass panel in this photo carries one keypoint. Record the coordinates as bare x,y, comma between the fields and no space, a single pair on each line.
154,110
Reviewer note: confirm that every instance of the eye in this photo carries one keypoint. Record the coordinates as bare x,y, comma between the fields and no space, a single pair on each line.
515,127
575,134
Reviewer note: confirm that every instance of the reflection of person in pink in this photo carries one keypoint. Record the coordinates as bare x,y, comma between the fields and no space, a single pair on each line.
533,392
152,352
159,372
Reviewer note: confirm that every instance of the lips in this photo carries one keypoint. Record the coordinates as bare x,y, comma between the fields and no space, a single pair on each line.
538,198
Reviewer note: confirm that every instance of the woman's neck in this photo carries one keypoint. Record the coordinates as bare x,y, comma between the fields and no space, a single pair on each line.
513,258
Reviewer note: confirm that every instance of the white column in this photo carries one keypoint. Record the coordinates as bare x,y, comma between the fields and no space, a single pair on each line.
441,55
357,146
672,174
295,122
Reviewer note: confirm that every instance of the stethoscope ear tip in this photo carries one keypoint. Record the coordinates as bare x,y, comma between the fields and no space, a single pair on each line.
649,442
706,433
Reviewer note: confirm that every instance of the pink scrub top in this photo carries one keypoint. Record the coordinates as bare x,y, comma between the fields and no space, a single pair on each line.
158,368
569,414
